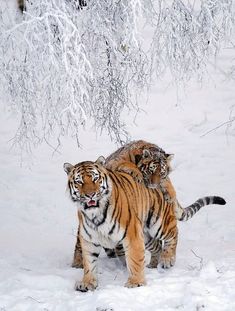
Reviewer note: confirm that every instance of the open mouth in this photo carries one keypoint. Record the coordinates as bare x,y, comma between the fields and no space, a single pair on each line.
91,204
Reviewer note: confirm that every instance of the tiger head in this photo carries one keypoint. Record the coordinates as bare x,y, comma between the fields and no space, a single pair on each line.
155,167
88,183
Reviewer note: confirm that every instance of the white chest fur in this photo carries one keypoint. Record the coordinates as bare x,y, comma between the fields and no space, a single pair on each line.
108,234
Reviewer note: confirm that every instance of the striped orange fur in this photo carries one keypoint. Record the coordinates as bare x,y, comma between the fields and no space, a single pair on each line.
115,210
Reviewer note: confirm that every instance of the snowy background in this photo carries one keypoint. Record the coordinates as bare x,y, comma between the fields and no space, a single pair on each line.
38,222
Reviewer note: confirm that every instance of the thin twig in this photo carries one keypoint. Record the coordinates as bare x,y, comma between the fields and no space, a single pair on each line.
217,127
201,259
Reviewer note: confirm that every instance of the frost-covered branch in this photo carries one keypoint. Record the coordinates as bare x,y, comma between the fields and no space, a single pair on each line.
65,64
187,35
46,72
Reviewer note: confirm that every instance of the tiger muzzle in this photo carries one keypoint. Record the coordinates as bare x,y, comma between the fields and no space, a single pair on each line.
91,201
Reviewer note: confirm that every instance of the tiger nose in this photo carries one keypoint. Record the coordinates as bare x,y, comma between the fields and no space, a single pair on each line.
90,195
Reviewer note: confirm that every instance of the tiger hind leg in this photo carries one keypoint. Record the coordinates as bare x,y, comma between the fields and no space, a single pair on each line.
155,248
168,190
120,252
168,254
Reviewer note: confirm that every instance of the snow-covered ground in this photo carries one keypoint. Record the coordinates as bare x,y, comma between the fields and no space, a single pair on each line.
38,222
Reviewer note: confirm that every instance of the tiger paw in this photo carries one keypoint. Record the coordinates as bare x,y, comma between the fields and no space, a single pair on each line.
133,171
167,262
152,265
166,195
85,286
169,199
137,176
134,283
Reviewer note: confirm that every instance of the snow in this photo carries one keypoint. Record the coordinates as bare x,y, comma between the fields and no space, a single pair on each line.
38,222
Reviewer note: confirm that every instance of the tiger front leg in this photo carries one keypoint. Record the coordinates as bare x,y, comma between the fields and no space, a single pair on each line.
168,190
168,254
131,169
134,252
90,255
77,256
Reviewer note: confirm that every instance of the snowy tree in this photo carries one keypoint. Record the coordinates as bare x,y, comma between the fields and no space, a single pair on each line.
65,65
186,36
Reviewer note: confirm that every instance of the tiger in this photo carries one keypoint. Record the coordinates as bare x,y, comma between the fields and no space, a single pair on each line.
132,153
148,163
115,210
145,162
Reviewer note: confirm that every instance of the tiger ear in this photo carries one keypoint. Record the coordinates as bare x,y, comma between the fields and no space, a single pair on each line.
146,153
68,167
138,157
169,156
100,160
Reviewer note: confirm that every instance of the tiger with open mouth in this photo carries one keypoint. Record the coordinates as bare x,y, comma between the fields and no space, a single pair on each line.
115,210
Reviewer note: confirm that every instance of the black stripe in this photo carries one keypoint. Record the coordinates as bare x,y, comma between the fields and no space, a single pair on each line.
87,232
96,245
158,232
150,214
118,218
104,214
124,235
200,202
87,220
112,229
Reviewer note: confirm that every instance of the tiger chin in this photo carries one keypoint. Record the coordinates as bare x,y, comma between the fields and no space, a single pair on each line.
114,210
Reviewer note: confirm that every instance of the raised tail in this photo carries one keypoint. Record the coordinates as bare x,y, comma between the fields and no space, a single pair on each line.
184,214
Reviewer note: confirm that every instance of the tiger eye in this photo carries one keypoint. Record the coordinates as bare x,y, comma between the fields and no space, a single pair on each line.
78,181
